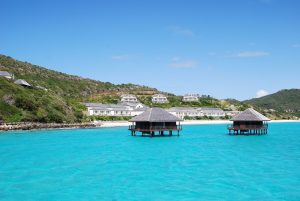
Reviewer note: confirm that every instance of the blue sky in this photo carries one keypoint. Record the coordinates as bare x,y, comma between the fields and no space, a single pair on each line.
233,48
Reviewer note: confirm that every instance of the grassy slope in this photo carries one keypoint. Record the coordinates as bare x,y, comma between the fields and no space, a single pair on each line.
24,104
62,84
61,103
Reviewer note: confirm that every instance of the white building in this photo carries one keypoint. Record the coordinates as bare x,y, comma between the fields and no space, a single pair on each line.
123,109
182,112
159,98
22,83
211,112
190,97
232,113
128,98
6,75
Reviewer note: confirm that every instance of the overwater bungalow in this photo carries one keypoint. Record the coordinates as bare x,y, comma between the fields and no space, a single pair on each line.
155,120
249,122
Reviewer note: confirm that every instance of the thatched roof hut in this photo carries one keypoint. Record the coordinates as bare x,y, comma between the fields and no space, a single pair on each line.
250,122
155,119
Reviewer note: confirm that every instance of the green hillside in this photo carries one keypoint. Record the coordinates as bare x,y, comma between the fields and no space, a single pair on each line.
23,104
61,101
57,97
62,84
284,102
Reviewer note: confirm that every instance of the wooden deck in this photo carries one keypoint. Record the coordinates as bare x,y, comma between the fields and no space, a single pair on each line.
247,130
153,129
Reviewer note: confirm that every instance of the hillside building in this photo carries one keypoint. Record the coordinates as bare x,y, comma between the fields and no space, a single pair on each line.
6,74
128,98
122,109
22,83
159,98
182,112
211,112
190,97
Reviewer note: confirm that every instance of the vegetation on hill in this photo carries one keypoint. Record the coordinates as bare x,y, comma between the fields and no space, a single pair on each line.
28,104
63,84
57,97
60,100
176,101
284,103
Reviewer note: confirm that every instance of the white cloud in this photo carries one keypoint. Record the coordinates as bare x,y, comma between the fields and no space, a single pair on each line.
252,54
180,31
183,64
120,57
261,93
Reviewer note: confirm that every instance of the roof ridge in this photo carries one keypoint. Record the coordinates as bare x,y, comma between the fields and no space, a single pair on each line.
150,114
258,115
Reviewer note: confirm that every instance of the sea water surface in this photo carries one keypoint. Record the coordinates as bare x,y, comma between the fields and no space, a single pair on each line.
204,163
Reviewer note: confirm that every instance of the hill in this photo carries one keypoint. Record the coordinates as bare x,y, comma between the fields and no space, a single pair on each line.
62,83
285,102
55,96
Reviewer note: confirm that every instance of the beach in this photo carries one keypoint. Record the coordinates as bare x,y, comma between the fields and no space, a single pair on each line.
186,122
107,124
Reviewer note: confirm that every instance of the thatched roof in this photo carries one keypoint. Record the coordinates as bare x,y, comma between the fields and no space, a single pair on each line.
250,115
155,115
22,82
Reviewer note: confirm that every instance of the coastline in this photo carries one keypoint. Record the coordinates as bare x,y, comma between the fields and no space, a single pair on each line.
44,126
107,124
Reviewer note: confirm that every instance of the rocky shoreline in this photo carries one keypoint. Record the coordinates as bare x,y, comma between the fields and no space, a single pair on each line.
33,125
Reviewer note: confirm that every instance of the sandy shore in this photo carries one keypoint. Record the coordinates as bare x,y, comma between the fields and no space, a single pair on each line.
187,122
34,126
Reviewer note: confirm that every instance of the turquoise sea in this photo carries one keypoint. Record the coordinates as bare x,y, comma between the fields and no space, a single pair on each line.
204,163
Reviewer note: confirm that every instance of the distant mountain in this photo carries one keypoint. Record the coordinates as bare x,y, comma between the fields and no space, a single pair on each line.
285,101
